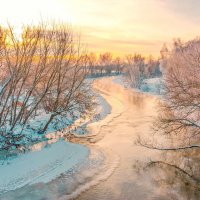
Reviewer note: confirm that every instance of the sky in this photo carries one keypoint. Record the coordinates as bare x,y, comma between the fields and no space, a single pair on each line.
118,26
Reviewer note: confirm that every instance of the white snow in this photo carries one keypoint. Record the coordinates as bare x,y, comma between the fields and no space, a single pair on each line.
103,108
121,80
114,136
41,166
50,162
150,85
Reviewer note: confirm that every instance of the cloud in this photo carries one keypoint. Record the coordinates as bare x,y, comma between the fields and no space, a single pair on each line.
188,9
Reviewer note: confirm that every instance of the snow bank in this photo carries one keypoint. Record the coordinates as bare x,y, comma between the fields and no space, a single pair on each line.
101,111
41,166
103,108
121,80
150,85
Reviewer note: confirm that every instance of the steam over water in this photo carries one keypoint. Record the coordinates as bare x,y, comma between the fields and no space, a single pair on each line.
136,177
119,135
113,170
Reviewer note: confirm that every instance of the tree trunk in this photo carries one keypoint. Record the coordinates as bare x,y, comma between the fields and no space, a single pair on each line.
48,122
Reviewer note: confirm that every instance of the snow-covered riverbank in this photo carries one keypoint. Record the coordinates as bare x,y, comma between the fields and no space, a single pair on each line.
45,166
110,170
41,166
47,160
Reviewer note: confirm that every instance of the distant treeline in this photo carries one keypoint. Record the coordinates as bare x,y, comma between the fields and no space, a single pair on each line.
135,66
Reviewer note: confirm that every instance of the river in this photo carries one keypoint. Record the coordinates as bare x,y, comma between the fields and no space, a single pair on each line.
119,167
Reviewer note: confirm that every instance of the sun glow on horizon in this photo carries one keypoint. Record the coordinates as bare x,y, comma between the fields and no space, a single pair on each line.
120,27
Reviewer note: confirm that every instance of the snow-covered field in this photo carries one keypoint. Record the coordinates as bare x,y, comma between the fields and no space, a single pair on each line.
41,166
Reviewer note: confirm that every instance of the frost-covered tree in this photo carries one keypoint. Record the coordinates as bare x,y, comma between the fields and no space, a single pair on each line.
105,63
135,69
118,65
153,68
43,71
92,64
181,108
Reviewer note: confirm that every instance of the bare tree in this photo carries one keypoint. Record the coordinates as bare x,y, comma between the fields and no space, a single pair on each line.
43,71
105,63
118,65
135,69
153,68
179,116
92,64
181,108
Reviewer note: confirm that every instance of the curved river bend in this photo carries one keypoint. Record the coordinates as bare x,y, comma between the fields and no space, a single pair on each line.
113,172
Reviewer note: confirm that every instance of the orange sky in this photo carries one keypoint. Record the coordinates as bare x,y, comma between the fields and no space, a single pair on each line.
119,26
